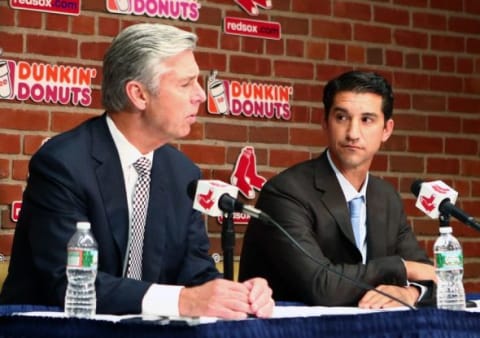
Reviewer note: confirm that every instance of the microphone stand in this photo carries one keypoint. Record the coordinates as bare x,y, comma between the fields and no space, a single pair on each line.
444,219
228,245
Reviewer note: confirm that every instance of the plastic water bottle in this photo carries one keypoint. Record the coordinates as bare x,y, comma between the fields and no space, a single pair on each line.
449,270
82,252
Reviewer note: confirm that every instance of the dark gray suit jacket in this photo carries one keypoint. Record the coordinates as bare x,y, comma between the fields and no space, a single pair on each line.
77,176
308,202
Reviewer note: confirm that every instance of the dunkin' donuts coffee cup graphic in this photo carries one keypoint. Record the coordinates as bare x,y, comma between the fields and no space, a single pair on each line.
5,83
217,91
119,6
217,97
123,5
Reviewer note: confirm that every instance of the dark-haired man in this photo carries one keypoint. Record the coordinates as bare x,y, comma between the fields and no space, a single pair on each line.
313,201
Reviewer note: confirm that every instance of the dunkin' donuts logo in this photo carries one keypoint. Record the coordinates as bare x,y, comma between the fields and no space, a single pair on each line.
39,82
248,99
7,75
170,9
15,210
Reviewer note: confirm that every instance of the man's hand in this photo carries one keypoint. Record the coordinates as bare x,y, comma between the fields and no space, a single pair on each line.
227,299
420,271
375,300
260,298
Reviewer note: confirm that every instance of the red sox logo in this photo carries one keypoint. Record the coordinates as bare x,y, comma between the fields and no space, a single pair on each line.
245,175
440,189
246,179
250,6
206,200
427,202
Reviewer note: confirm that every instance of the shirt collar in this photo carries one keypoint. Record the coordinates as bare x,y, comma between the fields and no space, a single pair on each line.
127,151
348,189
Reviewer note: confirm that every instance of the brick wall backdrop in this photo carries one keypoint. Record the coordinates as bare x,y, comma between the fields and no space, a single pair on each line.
428,49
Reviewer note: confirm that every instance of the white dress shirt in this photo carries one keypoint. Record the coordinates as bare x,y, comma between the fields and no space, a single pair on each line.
350,193
161,300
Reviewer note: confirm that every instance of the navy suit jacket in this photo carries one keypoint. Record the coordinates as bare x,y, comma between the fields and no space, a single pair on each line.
308,202
77,176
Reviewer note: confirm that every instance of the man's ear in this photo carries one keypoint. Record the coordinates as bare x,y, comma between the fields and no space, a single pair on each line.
388,130
324,123
137,94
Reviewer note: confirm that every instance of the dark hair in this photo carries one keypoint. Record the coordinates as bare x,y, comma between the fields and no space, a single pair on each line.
359,82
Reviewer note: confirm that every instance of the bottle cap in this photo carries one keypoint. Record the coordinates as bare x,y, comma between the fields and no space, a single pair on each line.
445,230
83,225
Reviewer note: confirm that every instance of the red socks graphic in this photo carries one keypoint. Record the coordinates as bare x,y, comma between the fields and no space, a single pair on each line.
245,175
250,6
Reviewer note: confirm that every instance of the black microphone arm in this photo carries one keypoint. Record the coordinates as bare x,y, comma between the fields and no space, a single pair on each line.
448,208
229,204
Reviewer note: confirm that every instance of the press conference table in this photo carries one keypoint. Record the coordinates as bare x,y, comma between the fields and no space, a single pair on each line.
424,322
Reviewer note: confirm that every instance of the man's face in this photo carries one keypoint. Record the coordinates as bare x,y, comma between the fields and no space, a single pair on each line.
172,110
356,128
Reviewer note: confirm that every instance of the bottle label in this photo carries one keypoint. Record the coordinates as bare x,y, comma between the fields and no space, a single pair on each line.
449,260
82,258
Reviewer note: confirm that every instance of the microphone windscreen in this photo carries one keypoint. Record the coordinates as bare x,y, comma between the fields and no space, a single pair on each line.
415,187
206,195
192,188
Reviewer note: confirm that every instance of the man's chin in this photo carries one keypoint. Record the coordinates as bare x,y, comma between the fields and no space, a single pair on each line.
185,132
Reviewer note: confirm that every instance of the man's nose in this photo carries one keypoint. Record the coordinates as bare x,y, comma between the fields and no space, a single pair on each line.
200,94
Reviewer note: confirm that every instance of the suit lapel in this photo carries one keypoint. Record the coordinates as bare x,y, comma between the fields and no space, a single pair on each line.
157,217
111,183
376,221
112,188
333,197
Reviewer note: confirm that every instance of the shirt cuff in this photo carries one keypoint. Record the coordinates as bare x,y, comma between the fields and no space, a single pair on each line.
161,300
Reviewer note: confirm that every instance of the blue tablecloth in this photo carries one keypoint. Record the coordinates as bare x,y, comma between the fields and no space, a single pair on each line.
426,322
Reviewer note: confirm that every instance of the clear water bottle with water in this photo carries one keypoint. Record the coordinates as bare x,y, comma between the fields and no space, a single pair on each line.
449,270
82,258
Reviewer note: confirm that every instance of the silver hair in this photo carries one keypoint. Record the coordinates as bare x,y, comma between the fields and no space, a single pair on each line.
138,53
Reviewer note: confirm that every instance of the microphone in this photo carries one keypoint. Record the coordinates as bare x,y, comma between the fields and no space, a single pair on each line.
214,198
435,198
219,194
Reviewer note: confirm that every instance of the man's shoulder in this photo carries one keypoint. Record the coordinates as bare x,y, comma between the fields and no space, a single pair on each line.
302,173
169,150
381,188
295,179
301,168
169,155
379,182
70,141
